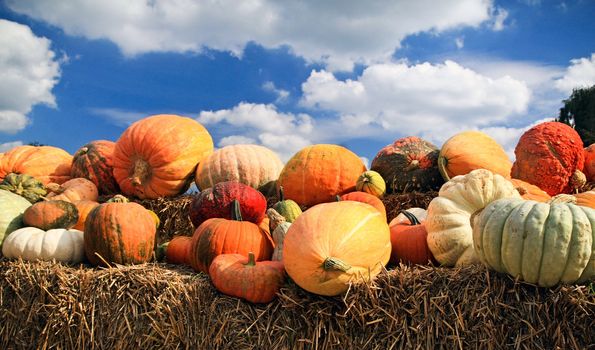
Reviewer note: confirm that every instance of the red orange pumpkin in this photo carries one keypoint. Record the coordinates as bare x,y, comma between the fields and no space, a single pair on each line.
590,163
48,215
177,250
94,161
409,242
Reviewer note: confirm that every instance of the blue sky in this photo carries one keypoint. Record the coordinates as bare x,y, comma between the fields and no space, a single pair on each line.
289,74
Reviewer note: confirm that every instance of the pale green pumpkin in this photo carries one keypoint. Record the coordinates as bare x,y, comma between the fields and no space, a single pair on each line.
371,182
287,207
540,243
12,207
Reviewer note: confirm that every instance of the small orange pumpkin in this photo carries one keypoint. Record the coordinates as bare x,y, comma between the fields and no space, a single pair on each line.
48,215
589,168
530,192
73,190
177,250
45,163
409,241
84,207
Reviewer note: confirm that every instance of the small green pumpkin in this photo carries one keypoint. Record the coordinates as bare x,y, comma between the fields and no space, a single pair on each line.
287,207
25,186
371,182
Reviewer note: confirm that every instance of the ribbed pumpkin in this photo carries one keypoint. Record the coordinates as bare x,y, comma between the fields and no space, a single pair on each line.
589,168
222,236
253,165
52,214
25,186
537,242
245,278
409,241
177,250
530,192
12,207
73,190
371,182
83,207
548,155
318,173
287,207
586,199
333,244
45,163
157,156
215,202
31,243
408,164
94,161
365,198
470,150
450,235
119,232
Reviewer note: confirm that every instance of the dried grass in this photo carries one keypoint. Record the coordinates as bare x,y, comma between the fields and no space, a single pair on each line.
394,203
173,214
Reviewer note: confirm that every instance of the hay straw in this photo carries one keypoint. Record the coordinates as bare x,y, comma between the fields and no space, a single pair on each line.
49,305
173,214
394,203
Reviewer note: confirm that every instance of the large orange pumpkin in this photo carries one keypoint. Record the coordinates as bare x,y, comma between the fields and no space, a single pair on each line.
367,198
94,161
157,156
589,169
119,232
470,150
252,165
45,163
530,192
333,244
318,173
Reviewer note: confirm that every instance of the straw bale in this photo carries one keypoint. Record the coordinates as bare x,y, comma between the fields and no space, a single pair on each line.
394,203
173,214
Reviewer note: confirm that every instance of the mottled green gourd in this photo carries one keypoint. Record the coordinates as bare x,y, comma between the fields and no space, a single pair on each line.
540,243
25,186
287,207
371,182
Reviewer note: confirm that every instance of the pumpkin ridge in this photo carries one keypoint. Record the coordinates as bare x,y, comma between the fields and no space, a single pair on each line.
543,245
354,229
575,212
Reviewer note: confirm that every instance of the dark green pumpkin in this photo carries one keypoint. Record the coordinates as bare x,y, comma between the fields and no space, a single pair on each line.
287,207
25,186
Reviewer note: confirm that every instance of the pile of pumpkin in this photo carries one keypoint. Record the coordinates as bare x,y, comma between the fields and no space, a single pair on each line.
329,227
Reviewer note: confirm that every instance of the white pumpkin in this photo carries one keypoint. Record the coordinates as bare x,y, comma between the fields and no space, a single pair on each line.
450,234
31,243
401,219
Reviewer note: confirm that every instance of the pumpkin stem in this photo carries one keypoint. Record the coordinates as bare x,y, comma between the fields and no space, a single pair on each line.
251,260
82,151
413,165
161,251
54,187
334,264
118,199
141,172
412,218
275,218
281,194
337,198
442,163
236,212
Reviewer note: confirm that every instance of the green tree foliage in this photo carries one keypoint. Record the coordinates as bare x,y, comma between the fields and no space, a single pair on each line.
579,112
35,143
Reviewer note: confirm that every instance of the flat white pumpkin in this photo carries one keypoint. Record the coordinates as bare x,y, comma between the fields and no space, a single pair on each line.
31,243
450,235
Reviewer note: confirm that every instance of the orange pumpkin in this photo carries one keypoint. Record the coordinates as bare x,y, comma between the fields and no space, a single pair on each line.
222,236
586,199
530,192
589,168
119,232
333,244
48,215
470,150
45,163
177,250
84,207
94,161
365,198
73,190
252,165
409,241
318,173
157,156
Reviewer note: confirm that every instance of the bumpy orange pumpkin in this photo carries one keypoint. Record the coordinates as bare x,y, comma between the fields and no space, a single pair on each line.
590,163
252,165
157,156
73,190
119,232
222,236
94,161
84,207
318,173
48,215
45,163
470,150
530,192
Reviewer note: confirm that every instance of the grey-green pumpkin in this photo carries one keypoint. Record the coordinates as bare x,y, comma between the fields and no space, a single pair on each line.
12,207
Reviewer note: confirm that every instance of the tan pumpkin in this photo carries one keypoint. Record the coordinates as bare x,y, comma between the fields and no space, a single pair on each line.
45,163
73,190
450,235
252,165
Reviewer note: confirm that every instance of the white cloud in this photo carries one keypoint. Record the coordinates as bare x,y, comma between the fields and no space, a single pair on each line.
460,42
235,140
7,146
580,74
282,95
337,33
499,16
119,117
28,72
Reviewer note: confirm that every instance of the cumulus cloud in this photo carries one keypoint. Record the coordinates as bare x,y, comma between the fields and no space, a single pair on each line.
580,74
119,117
7,146
28,71
499,16
337,33
282,95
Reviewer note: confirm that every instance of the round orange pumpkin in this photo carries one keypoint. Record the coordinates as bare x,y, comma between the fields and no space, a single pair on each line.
470,150
119,232
73,190
48,215
589,168
84,207
222,236
318,173
409,241
157,156
333,244
530,192
365,198
177,250
252,165
45,163
94,161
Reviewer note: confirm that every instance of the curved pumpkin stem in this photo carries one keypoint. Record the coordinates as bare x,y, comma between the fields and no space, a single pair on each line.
236,212
334,264
251,260
281,194
118,199
141,172
562,198
412,218
82,151
442,163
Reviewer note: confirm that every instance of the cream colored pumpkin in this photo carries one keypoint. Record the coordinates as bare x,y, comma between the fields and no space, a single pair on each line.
450,235
420,214
537,242
31,243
